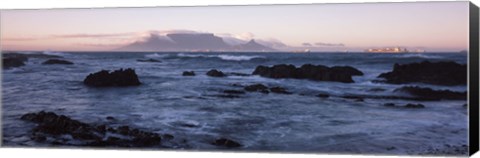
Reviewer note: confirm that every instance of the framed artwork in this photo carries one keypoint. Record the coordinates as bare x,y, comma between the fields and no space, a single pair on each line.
359,78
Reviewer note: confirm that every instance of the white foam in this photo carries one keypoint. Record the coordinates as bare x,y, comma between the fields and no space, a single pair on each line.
223,56
155,55
419,55
53,53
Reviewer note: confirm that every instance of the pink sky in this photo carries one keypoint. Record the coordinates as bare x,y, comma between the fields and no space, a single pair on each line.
433,26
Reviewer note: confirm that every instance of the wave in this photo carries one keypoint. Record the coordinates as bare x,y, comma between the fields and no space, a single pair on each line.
219,56
155,55
419,55
53,53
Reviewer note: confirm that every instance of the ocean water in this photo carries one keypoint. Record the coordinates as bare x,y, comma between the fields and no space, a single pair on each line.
300,122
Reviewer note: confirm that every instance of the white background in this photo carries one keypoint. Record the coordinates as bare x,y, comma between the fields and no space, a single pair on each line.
82,153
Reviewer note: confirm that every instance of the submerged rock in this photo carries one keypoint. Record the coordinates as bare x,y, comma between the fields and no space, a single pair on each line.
57,61
416,106
237,74
308,71
148,60
356,98
257,88
188,73
409,105
233,92
430,94
439,73
224,142
117,78
389,104
56,126
323,95
215,73
279,90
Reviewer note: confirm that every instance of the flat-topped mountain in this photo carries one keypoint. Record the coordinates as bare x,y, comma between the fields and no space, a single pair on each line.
190,42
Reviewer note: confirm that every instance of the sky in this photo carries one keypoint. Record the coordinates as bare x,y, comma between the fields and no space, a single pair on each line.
431,26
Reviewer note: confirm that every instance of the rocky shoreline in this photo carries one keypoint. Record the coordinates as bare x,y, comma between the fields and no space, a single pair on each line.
51,127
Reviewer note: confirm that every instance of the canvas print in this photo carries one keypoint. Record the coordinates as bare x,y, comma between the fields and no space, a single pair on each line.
365,78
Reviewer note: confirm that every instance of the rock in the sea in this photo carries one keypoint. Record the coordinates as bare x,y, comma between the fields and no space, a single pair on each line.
117,78
148,60
308,71
409,105
323,95
13,62
376,90
237,74
230,96
348,70
257,88
188,73
430,94
56,126
437,73
356,98
414,106
279,90
215,73
57,61
233,92
389,104
224,142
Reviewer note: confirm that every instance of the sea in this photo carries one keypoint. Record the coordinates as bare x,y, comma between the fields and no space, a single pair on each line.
188,107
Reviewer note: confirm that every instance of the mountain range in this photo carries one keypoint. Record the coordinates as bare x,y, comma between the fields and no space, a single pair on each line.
191,42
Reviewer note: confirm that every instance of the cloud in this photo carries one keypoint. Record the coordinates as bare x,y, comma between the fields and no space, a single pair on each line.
273,43
113,35
306,44
92,35
21,39
321,44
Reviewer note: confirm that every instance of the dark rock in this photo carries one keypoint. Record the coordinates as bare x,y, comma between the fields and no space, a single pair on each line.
168,136
347,69
230,96
237,85
233,92
188,73
323,95
110,118
356,98
430,94
376,90
415,106
123,130
237,74
257,88
38,138
57,61
391,148
55,126
13,62
117,78
389,104
188,125
308,71
280,90
226,143
148,60
439,73
215,73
